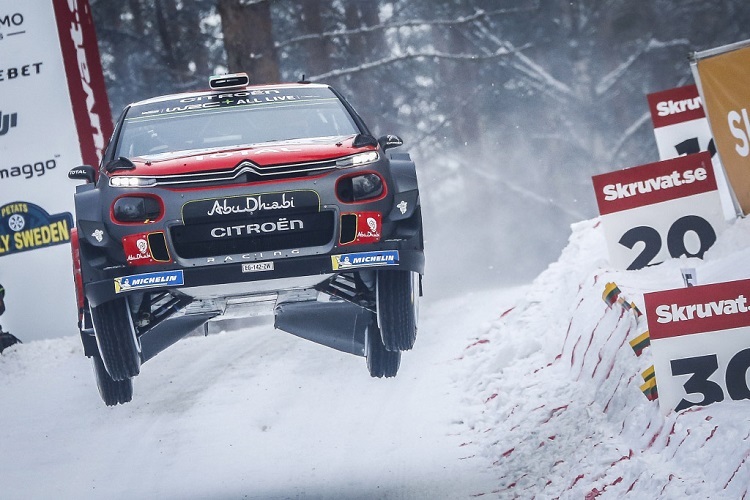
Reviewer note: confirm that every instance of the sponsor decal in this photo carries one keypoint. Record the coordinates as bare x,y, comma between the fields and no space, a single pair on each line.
98,235
364,259
654,183
219,101
29,170
256,267
83,71
675,179
368,228
11,25
239,207
253,256
673,313
281,225
148,280
7,122
13,73
677,105
402,207
138,250
25,226
698,309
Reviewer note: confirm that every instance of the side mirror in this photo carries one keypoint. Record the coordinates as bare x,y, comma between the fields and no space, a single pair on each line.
390,141
363,140
83,173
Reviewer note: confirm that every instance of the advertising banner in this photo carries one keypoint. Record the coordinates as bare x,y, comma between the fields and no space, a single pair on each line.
54,115
660,210
700,342
681,128
680,125
724,80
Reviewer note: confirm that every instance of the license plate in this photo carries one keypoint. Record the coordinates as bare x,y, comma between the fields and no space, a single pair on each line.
255,267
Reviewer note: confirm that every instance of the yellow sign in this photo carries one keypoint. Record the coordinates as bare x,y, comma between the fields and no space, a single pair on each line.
725,85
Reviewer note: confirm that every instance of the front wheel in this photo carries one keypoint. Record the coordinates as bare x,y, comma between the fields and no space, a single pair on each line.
112,392
397,298
380,361
116,338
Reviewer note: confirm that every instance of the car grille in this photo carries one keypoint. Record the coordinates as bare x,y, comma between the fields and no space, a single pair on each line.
253,235
245,172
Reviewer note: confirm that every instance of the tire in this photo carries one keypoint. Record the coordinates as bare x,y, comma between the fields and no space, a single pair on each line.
397,298
116,338
113,392
380,362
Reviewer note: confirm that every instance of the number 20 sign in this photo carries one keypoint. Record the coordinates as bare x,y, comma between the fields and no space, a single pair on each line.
660,210
700,343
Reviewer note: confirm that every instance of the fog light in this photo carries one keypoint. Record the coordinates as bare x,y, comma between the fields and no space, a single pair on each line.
359,188
136,209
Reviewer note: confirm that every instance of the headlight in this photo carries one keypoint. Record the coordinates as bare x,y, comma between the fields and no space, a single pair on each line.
358,159
136,209
124,181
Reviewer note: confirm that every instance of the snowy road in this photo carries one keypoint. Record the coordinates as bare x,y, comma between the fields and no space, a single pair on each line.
519,393
248,414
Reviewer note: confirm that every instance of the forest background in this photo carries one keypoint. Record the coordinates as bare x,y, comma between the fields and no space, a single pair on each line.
507,106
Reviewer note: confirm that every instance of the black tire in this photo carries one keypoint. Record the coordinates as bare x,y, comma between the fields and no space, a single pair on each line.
115,336
380,362
398,304
113,392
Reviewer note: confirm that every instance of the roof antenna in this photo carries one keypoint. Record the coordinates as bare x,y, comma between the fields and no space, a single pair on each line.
303,80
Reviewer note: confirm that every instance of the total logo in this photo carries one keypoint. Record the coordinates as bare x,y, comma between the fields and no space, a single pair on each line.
7,122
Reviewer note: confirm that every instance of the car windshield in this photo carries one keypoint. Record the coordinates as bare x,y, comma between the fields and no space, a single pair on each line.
233,119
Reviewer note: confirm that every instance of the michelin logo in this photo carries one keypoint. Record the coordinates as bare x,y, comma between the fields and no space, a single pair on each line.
364,259
148,280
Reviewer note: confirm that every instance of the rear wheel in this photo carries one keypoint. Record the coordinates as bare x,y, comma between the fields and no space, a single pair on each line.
113,392
116,338
398,308
380,361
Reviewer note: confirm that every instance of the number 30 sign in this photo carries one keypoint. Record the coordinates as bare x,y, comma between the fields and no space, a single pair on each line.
660,210
700,342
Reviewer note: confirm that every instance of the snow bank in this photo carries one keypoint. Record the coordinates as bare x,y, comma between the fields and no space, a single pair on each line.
553,398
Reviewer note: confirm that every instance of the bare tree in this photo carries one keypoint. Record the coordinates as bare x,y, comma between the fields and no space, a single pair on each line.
248,38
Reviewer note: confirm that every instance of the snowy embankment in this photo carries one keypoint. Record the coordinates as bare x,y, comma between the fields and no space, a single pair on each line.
554,399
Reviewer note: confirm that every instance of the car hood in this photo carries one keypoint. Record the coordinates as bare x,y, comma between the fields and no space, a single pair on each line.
267,154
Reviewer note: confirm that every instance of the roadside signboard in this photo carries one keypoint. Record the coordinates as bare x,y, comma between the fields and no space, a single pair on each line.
54,115
700,343
660,210
681,128
723,76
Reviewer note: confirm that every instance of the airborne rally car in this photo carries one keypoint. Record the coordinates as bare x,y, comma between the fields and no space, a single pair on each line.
214,204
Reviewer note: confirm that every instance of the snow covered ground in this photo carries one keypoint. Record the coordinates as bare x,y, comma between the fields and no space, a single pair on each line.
520,393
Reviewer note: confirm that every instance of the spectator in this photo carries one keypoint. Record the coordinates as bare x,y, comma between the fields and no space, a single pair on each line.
6,339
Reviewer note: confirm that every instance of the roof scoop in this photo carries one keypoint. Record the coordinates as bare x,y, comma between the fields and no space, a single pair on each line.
231,81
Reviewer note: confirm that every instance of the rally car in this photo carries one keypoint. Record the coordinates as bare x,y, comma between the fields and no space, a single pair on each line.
243,198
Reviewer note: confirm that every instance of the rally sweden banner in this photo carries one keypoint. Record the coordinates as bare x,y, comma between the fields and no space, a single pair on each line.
54,115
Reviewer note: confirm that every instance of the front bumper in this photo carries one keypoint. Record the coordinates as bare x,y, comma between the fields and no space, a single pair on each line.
387,256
